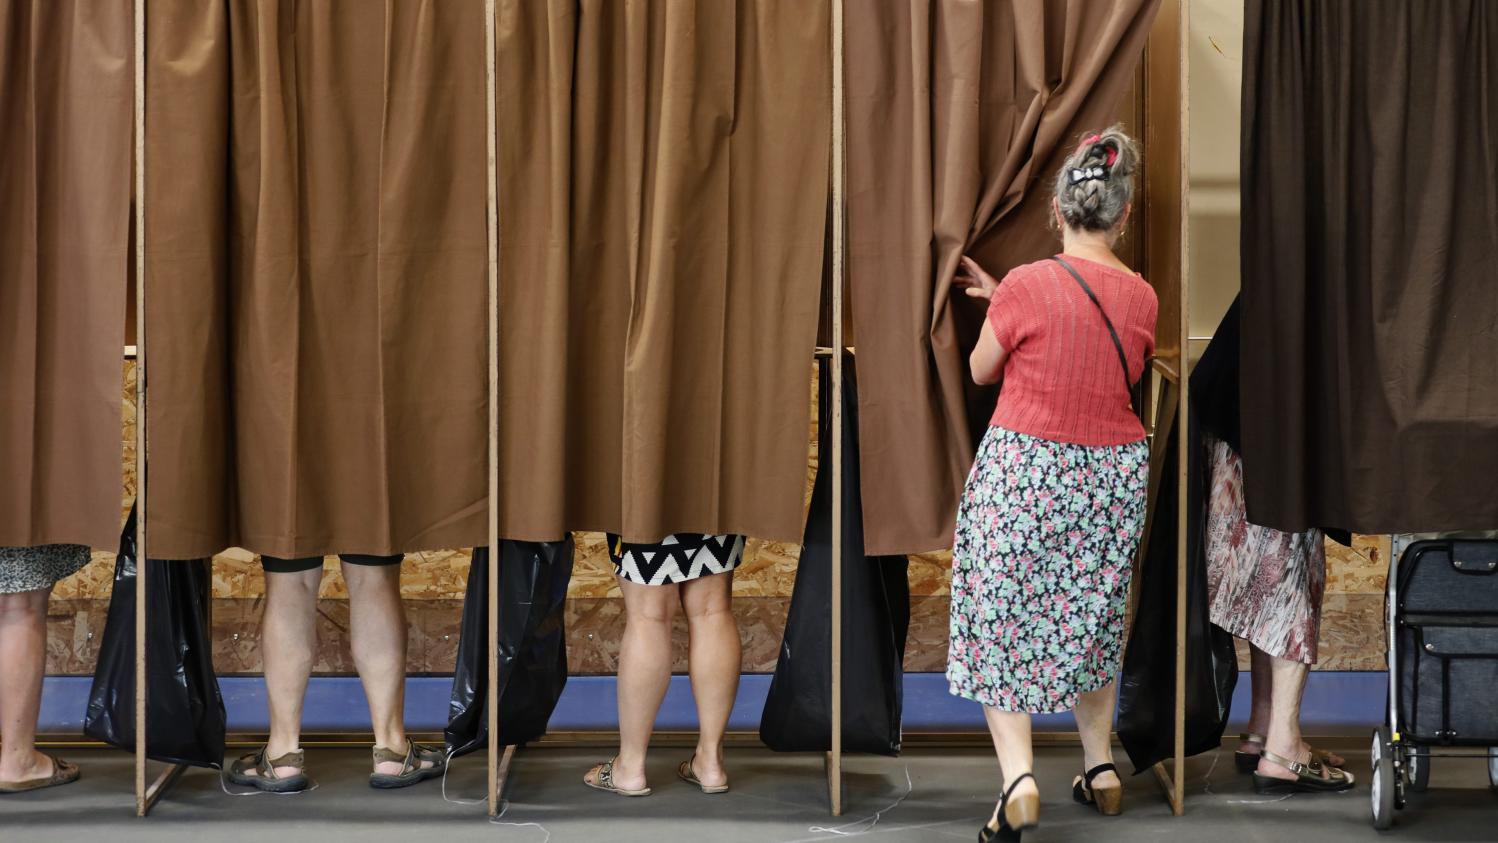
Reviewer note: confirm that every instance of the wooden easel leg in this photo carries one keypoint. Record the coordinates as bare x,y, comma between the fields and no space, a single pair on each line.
502,777
159,788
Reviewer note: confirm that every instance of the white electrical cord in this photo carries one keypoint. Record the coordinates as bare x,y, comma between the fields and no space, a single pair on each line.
868,822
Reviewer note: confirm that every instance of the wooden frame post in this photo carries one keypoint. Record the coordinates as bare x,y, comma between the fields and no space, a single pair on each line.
1167,147
491,696
143,801
839,279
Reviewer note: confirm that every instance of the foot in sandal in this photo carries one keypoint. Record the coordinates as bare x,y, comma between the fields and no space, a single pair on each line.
1100,787
709,778
396,768
1251,746
46,771
1305,774
610,777
286,773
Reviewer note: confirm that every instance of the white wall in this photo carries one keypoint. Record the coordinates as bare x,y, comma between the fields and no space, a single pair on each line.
1215,92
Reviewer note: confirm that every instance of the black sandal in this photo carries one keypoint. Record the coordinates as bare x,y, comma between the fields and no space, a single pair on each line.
1009,829
1108,801
257,771
1308,777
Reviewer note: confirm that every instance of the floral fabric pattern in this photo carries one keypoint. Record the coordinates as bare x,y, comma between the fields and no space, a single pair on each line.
1041,564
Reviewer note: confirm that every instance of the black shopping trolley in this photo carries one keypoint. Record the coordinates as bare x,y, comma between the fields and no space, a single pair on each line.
1443,667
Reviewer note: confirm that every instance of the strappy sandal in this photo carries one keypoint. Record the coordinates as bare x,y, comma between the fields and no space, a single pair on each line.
688,775
1308,777
62,773
257,771
412,761
605,780
1107,800
1247,762
1014,816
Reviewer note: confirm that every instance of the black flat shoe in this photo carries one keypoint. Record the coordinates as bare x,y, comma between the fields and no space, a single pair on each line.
1015,815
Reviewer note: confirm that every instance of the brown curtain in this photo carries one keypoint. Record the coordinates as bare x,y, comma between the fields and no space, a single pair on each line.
663,171
66,105
959,113
1370,265
316,242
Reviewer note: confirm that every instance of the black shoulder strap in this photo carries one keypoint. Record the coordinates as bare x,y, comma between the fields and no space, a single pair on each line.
1123,359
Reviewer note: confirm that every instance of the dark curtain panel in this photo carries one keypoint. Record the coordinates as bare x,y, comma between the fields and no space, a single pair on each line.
316,242
1370,265
66,105
959,113
663,172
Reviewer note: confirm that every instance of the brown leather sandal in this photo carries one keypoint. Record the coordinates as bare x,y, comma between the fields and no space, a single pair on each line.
257,771
412,760
62,773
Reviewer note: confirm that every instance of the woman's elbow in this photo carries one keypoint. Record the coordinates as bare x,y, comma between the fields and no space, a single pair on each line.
984,373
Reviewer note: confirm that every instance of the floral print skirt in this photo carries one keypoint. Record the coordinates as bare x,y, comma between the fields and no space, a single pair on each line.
1041,564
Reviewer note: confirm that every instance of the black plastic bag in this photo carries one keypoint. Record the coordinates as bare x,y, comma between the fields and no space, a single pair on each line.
876,617
533,580
1146,699
185,719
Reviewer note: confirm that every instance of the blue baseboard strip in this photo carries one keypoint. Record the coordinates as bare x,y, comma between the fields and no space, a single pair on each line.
1335,703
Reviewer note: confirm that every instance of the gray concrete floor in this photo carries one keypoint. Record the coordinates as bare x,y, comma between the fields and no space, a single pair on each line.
775,798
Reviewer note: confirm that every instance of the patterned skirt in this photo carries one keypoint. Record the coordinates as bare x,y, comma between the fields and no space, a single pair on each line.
1263,585
25,569
1041,564
676,558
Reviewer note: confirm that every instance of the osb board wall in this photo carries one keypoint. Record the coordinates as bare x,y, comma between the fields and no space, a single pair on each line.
434,583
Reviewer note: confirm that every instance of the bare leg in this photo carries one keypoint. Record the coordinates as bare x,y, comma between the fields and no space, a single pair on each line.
644,673
377,636
1284,723
1095,723
288,640
23,660
1011,742
715,656
1262,691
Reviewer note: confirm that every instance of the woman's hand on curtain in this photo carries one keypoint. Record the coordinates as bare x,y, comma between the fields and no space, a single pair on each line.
974,281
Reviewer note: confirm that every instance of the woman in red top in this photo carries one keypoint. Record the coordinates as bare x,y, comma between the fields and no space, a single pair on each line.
1054,506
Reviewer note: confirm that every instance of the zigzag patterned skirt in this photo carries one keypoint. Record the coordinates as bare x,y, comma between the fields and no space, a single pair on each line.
676,558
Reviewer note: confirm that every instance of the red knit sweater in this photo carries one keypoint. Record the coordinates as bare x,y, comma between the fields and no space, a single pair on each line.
1062,378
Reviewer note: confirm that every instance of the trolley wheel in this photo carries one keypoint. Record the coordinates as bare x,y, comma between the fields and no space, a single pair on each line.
1382,786
1493,767
1417,770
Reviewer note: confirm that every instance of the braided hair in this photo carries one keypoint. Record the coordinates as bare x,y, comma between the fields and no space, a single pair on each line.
1096,184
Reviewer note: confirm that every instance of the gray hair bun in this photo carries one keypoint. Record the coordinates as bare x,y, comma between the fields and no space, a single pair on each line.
1096,184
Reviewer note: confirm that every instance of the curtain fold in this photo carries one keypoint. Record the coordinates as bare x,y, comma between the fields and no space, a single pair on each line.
1370,237
959,112
316,246
66,106
663,172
